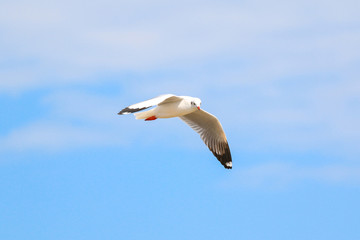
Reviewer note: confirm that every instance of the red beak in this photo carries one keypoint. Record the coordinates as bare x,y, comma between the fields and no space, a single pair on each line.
198,107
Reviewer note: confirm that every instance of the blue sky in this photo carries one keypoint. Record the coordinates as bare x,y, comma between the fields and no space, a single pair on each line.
282,77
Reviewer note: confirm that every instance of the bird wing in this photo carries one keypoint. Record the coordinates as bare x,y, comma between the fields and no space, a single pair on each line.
149,103
212,133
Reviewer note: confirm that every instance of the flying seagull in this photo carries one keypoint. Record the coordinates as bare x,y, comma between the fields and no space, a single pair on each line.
188,110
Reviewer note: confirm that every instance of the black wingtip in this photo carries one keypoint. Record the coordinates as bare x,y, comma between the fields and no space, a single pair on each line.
128,110
225,158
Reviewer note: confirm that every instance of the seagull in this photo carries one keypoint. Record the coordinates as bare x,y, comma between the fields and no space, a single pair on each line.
187,109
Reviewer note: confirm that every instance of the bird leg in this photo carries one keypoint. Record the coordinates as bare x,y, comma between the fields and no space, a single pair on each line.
151,118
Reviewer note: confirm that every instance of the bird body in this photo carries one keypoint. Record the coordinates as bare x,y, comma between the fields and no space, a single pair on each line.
187,109
169,109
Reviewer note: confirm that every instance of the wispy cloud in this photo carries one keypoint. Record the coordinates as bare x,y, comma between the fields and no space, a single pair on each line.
277,176
72,41
54,137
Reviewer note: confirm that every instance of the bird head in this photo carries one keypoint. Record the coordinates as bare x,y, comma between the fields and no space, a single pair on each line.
196,102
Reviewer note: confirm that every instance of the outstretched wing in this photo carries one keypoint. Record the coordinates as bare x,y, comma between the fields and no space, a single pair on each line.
149,103
212,133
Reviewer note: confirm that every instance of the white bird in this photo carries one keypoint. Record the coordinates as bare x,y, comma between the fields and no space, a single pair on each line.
188,110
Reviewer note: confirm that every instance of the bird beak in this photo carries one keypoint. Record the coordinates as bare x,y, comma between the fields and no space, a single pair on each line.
198,107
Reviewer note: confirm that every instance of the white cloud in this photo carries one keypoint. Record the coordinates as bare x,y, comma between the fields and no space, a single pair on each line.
42,136
71,41
54,137
271,176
